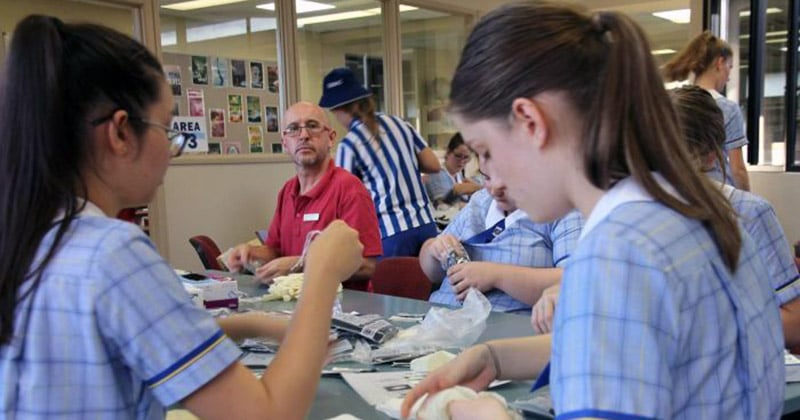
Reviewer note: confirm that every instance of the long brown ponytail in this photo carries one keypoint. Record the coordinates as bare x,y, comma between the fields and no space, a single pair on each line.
696,57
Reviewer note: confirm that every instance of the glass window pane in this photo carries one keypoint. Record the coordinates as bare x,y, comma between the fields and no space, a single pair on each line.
340,34
222,63
432,42
797,117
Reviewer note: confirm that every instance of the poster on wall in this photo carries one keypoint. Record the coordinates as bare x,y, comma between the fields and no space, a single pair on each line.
255,138
219,71
231,147
195,129
174,78
214,149
256,75
235,108
277,148
217,117
271,115
197,104
199,70
272,79
238,74
253,109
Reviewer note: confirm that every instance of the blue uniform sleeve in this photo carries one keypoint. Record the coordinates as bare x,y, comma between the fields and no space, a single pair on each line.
735,136
438,185
346,158
614,335
564,236
150,322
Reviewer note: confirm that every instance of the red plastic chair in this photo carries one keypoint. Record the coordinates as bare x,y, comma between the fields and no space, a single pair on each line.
401,276
207,250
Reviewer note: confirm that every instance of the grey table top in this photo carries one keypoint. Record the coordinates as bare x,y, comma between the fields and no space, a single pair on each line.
335,397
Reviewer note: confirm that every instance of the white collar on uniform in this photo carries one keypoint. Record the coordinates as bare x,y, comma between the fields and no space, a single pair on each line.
727,190
626,190
714,94
91,209
494,215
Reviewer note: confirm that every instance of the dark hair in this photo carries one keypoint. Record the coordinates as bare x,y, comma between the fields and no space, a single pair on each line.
58,77
455,142
364,110
696,57
701,122
603,67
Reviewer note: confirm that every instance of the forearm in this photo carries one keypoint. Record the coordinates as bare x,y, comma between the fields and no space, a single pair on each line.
525,284
740,178
264,253
253,324
430,265
293,375
522,358
790,318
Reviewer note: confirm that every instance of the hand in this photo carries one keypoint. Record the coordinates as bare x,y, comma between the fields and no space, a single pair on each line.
238,258
483,407
278,267
441,246
477,274
336,252
473,368
542,312
466,187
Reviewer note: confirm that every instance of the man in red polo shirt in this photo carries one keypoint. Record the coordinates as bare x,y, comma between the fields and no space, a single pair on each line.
319,194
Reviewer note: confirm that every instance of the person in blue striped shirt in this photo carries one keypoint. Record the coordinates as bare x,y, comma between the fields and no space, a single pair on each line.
388,155
93,322
663,312
703,127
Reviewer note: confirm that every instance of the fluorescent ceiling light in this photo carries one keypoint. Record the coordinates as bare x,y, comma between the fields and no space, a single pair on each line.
784,49
333,17
677,16
216,30
662,52
770,10
302,6
773,33
199,4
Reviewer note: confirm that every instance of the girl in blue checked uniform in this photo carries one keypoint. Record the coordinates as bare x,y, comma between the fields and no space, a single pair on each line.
703,131
387,154
93,322
662,312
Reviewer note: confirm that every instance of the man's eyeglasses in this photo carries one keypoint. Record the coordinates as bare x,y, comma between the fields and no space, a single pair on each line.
177,139
312,127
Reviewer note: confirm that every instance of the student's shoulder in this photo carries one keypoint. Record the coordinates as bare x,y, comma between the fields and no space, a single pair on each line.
747,204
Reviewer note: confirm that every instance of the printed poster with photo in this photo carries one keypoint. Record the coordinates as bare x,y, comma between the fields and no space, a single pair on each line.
253,109
238,73
272,79
174,78
214,149
277,148
231,148
197,104
271,115
256,75
235,108
176,109
217,117
219,71
199,70
195,129
255,138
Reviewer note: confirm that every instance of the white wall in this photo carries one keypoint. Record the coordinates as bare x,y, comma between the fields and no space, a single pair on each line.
783,191
226,200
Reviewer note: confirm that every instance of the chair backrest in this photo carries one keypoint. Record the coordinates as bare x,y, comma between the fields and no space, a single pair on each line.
401,276
207,250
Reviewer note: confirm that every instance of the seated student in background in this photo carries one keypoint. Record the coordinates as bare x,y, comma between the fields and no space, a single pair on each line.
94,323
663,312
512,258
704,135
319,194
450,186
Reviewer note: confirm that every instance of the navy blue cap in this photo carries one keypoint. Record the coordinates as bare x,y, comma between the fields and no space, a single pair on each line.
340,87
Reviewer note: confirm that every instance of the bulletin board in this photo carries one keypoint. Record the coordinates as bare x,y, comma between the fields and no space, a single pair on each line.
237,98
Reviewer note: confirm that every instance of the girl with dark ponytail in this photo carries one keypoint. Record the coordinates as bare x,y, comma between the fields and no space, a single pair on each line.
662,313
93,322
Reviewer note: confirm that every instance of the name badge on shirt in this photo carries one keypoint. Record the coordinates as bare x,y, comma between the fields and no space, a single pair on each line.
311,217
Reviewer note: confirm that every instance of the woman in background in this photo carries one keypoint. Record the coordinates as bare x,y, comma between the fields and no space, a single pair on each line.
387,154
450,186
710,60
93,322
662,312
